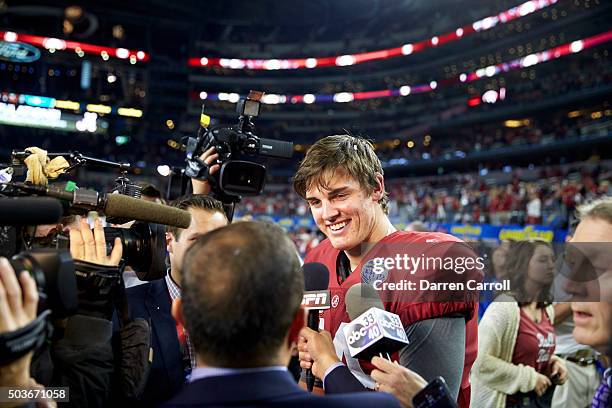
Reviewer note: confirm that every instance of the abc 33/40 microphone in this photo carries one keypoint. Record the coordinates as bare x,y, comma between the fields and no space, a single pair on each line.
375,331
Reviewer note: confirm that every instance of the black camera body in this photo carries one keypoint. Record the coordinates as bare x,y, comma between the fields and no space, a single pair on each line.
144,247
54,274
236,177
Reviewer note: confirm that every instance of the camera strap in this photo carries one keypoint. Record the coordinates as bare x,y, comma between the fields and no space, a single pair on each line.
99,276
18,343
121,303
108,281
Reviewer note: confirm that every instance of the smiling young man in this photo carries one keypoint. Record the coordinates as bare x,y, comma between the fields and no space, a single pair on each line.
342,180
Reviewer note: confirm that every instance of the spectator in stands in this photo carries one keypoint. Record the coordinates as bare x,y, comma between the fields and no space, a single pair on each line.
494,273
534,208
151,193
417,226
516,341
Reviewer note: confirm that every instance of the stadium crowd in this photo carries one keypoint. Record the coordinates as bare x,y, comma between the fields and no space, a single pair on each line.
549,200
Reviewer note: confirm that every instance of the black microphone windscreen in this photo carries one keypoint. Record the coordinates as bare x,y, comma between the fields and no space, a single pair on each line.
361,297
316,276
122,206
30,210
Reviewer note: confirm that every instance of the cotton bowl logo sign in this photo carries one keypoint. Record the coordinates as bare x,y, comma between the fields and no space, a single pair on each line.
370,274
18,52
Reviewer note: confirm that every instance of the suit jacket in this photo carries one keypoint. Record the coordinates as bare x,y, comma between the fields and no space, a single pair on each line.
269,389
340,380
151,301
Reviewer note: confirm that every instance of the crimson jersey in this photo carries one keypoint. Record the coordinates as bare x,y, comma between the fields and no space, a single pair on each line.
409,306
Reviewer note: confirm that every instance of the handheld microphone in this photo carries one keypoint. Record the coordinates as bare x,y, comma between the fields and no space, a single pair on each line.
30,210
81,201
372,330
316,297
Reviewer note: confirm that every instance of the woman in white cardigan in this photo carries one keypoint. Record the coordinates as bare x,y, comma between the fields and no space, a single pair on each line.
516,340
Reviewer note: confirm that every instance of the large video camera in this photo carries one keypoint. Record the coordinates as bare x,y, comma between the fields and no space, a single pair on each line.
53,272
236,177
144,247
26,204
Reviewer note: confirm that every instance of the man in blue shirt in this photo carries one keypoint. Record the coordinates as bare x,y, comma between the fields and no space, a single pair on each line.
172,356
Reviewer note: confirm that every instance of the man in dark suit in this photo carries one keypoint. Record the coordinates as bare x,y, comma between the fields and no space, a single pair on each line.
243,288
173,356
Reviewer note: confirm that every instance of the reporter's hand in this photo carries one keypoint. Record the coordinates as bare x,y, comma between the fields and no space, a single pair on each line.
91,247
557,366
18,304
397,380
542,384
203,186
316,351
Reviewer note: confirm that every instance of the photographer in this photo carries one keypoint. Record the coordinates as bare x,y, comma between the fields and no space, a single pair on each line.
83,358
82,353
79,353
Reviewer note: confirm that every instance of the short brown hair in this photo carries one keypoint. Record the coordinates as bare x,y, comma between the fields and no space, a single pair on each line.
353,154
197,201
243,286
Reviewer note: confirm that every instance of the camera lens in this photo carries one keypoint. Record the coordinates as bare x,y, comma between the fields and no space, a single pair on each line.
144,248
242,177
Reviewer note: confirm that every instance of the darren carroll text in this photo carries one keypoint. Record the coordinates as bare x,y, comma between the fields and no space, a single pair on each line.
427,285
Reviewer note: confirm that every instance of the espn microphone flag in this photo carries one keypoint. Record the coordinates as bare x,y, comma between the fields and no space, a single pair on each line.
373,332
316,299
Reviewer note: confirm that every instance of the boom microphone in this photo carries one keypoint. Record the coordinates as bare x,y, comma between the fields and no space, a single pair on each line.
122,206
316,297
81,201
29,210
374,330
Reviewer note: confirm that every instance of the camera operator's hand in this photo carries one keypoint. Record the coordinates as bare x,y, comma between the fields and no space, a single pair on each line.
203,186
98,274
397,380
18,303
316,351
91,247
